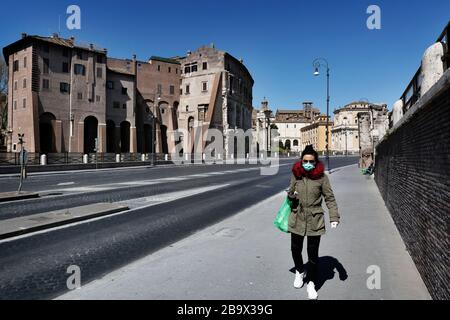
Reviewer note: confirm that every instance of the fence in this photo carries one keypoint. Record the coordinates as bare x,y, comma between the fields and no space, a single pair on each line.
412,92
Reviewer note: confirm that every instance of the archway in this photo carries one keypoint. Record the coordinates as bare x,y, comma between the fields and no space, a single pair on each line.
148,140
47,137
90,133
287,145
125,137
111,144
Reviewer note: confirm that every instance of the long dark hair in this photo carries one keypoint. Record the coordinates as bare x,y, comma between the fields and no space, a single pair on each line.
309,150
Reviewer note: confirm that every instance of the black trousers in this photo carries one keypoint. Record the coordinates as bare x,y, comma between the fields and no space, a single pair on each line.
313,255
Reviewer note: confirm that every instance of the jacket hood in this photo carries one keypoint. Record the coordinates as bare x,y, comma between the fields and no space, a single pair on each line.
317,173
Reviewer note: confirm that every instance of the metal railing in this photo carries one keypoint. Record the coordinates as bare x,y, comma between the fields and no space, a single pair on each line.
412,91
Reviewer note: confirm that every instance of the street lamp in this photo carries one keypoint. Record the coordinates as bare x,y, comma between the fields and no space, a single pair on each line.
317,63
154,130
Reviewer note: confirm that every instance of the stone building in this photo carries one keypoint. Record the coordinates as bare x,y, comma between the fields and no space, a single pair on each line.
216,92
67,97
345,136
262,121
315,134
290,123
373,125
157,99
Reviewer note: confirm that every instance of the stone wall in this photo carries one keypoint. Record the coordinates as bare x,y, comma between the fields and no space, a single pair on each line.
412,173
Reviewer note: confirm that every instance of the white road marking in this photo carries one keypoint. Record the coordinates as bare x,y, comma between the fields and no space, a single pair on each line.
65,183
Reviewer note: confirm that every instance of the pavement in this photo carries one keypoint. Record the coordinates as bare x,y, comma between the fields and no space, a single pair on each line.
41,221
245,257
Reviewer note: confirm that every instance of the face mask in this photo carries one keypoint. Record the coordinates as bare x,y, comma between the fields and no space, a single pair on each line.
308,166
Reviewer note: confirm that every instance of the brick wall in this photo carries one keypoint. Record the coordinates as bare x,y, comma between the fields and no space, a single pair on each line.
413,175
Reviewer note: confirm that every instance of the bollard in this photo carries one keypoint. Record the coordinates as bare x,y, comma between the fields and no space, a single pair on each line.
187,156
143,157
166,157
219,156
117,157
247,156
85,158
43,160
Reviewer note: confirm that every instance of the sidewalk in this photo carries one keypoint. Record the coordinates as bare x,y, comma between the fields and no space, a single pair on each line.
246,257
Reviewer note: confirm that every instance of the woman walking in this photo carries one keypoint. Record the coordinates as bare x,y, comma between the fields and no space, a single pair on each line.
308,184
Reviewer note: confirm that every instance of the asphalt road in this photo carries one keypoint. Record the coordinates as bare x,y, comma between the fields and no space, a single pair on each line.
35,266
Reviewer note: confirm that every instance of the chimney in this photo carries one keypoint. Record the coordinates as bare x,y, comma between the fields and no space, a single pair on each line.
24,35
189,53
55,35
91,46
134,57
72,39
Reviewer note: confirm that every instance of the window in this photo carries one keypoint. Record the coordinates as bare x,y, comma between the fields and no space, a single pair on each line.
25,62
159,67
46,66
45,84
124,106
65,52
24,103
170,69
80,96
97,98
187,108
205,65
24,83
194,68
15,105
110,84
159,90
187,69
99,73
124,91
116,105
80,54
64,87
65,67
15,85
204,86
172,90
16,65
176,70
99,59
80,69
46,48
187,89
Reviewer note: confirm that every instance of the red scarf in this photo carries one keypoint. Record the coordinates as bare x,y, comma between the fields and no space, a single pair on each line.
317,173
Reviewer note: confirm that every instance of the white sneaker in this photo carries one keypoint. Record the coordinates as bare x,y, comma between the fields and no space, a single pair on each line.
311,289
298,282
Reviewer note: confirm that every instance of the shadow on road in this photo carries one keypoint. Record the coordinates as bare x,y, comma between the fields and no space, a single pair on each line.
328,266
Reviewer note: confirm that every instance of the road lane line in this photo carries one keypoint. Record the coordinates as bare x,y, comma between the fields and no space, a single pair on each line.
145,202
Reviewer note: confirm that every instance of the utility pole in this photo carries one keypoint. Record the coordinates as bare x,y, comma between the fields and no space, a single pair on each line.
23,157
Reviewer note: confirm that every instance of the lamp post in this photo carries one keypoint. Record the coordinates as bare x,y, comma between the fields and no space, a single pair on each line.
267,121
317,63
345,131
154,130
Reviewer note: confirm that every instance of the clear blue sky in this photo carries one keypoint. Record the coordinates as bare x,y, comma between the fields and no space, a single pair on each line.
277,39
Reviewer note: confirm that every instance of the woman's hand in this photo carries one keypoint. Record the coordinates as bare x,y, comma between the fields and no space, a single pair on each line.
334,225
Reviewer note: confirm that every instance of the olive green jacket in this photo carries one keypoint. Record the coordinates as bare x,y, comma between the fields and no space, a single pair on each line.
308,218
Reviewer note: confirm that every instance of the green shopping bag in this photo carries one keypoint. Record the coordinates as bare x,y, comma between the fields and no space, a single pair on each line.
281,221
